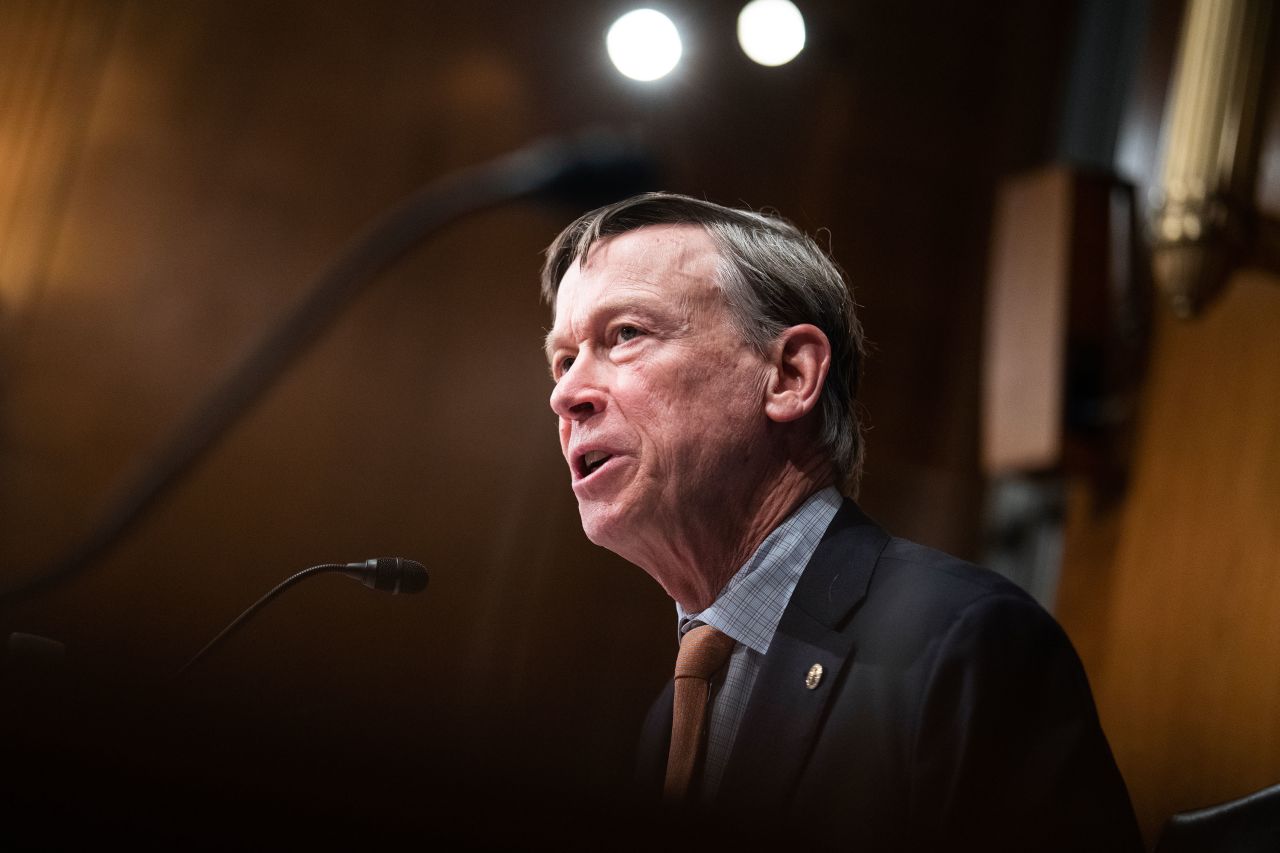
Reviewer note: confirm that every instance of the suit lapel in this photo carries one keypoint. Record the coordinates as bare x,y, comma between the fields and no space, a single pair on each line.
786,708
655,743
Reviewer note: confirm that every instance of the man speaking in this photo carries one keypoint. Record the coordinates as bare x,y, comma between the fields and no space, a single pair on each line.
850,686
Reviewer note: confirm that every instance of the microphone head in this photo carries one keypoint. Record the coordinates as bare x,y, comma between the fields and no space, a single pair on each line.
596,167
390,574
411,576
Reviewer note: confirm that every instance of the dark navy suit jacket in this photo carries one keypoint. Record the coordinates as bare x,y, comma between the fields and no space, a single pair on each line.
952,714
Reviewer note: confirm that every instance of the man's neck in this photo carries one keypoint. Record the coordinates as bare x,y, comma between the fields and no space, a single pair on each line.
708,568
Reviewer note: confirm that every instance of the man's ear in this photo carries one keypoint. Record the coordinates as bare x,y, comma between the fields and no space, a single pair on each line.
800,359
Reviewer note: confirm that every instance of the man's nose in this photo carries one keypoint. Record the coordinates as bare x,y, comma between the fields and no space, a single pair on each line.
579,393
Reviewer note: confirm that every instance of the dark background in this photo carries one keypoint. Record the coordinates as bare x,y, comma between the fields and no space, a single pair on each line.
176,175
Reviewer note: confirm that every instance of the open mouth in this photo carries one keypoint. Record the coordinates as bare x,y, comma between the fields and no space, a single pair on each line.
591,461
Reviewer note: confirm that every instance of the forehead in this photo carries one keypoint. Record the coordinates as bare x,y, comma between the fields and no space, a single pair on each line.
674,261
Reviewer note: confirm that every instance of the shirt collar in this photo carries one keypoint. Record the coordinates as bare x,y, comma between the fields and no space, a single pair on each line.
750,606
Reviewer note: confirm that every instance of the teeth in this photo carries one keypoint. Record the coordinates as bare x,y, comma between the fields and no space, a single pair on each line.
594,459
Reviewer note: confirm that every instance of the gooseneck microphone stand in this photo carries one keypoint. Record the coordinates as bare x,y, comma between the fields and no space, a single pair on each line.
586,170
244,617
387,574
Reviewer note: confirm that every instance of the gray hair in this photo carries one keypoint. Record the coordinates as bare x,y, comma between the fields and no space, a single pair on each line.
772,276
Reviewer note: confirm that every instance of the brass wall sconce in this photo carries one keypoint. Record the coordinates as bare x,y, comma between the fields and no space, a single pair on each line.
1203,210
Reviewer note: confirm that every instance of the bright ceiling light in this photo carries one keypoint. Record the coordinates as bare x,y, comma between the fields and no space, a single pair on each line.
644,44
771,32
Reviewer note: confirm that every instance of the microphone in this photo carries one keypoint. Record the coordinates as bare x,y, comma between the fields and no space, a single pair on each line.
586,169
388,574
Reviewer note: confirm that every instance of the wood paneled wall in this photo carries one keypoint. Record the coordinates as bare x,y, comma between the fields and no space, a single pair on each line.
223,151
1173,596
55,54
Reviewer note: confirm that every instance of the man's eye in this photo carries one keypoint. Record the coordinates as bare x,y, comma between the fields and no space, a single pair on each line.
626,333
565,364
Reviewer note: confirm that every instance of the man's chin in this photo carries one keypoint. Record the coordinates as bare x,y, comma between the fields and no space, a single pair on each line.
598,530
606,525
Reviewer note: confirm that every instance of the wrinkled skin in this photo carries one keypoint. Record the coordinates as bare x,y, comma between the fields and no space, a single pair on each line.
652,375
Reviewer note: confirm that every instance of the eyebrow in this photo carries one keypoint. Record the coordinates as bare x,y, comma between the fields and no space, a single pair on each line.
549,344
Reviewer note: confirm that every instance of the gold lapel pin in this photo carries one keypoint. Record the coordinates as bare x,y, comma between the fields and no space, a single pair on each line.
814,677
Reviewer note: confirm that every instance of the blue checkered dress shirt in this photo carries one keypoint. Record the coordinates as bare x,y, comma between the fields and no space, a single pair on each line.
748,609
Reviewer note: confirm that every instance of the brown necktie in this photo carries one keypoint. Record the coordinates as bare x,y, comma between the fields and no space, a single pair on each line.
703,651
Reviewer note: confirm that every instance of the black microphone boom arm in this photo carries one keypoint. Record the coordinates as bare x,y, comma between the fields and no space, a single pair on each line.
588,169
389,574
